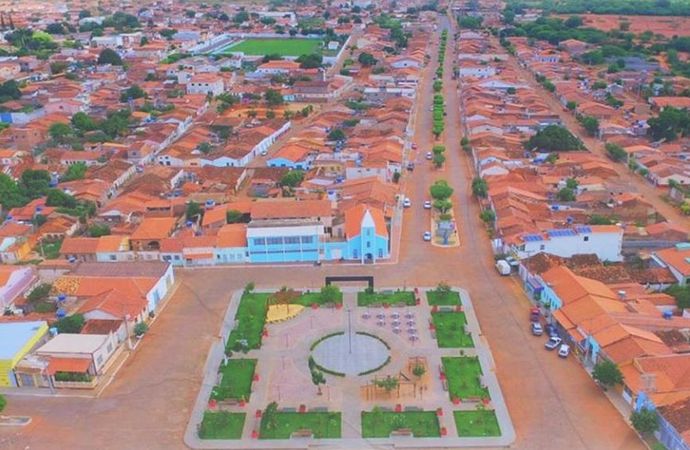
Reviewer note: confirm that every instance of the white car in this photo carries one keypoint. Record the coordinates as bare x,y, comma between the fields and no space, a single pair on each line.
407,203
427,236
553,342
427,204
429,156
564,350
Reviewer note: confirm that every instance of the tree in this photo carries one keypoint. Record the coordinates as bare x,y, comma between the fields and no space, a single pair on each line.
204,148
566,195
70,324
193,210
74,172
131,93
143,41
98,230
418,370
571,183
240,17
669,123
573,22
367,59
571,105
58,198
590,124
84,13
140,328
292,179
443,206
55,28
388,384
480,188
487,216
3,403
273,97
34,183
10,194
330,294
318,379
336,135
9,90
233,216
615,152
109,56
645,420
440,190
554,138
681,294
607,374
58,67
439,159
311,61
59,132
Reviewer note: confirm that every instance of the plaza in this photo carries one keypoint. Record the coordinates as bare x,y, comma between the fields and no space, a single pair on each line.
388,374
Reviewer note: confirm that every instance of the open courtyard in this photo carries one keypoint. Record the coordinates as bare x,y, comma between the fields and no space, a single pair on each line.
298,366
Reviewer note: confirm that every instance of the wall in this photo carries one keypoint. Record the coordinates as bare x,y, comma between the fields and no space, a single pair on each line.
161,288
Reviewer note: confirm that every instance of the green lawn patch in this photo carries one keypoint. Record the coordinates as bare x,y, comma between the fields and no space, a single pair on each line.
462,375
379,424
222,425
250,320
282,47
237,380
441,298
480,423
450,329
280,425
310,298
50,250
385,298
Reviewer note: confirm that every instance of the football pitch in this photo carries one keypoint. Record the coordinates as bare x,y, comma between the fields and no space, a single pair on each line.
282,47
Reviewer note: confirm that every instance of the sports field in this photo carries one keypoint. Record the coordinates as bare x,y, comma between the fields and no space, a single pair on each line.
282,47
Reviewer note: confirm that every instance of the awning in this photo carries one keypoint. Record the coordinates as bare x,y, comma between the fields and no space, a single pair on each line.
75,365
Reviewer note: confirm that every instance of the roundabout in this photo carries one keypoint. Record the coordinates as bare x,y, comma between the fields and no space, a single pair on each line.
351,353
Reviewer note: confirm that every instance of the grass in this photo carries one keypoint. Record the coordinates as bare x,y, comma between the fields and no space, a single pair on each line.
250,318
282,47
462,374
378,424
441,298
450,330
51,250
385,298
314,297
324,425
237,380
480,423
222,425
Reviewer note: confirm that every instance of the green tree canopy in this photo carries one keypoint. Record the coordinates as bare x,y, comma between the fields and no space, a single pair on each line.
109,56
70,324
74,172
367,59
311,61
292,179
554,138
273,97
607,373
645,421
440,190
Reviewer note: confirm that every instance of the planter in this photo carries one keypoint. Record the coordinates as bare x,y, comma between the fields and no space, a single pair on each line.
302,409
256,377
444,431
257,414
314,306
255,434
398,408
338,306
456,401
265,332
439,412
212,404
242,403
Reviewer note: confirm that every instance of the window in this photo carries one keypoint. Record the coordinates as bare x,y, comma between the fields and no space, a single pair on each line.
112,257
355,254
109,348
368,244
542,247
274,241
177,257
380,253
586,238
99,360
259,241
307,239
166,258
291,240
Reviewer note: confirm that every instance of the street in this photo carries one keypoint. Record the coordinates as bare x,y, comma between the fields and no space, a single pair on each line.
553,403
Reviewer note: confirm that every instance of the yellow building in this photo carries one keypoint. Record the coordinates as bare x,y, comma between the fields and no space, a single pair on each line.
16,340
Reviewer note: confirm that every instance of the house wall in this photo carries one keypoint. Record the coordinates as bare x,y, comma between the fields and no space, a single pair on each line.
285,244
607,246
229,255
18,282
161,288
367,246
7,378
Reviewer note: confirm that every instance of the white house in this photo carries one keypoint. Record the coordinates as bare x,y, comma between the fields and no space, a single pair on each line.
97,349
478,71
603,240
206,84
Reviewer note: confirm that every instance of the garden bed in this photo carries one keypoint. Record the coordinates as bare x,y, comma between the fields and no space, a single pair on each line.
281,425
237,379
222,425
386,298
450,330
250,321
480,423
380,424
463,375
442,298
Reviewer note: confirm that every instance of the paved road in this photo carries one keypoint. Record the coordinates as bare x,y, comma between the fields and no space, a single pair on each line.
635,182
552,402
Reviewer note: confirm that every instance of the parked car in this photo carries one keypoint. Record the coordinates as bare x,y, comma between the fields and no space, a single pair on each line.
564,351
264,152
537,329
553,342
414,146
429,156
427,236
410,166
407,203
551,329
503,267
427,204
534,314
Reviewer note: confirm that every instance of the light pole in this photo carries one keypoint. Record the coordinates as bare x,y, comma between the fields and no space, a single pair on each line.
349,328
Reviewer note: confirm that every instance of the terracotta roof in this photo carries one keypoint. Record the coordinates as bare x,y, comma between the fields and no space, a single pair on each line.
78,365
155,228
232,235
101,326
290,209
678,258
356,215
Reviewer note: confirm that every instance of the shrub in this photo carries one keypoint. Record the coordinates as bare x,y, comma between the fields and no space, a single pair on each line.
141,328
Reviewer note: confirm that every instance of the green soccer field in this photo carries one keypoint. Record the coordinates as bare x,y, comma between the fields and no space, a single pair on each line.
282,47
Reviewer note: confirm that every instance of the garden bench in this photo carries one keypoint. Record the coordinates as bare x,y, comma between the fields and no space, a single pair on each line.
413,408
402,432
228,402
304,433
482,381
288,409
319,409
445,385
386,408
472,399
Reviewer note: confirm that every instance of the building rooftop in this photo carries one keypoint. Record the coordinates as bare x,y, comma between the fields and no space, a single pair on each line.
15,335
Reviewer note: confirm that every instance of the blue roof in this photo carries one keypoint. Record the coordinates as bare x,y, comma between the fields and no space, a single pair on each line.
532,238
14,335
583,229
561,232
